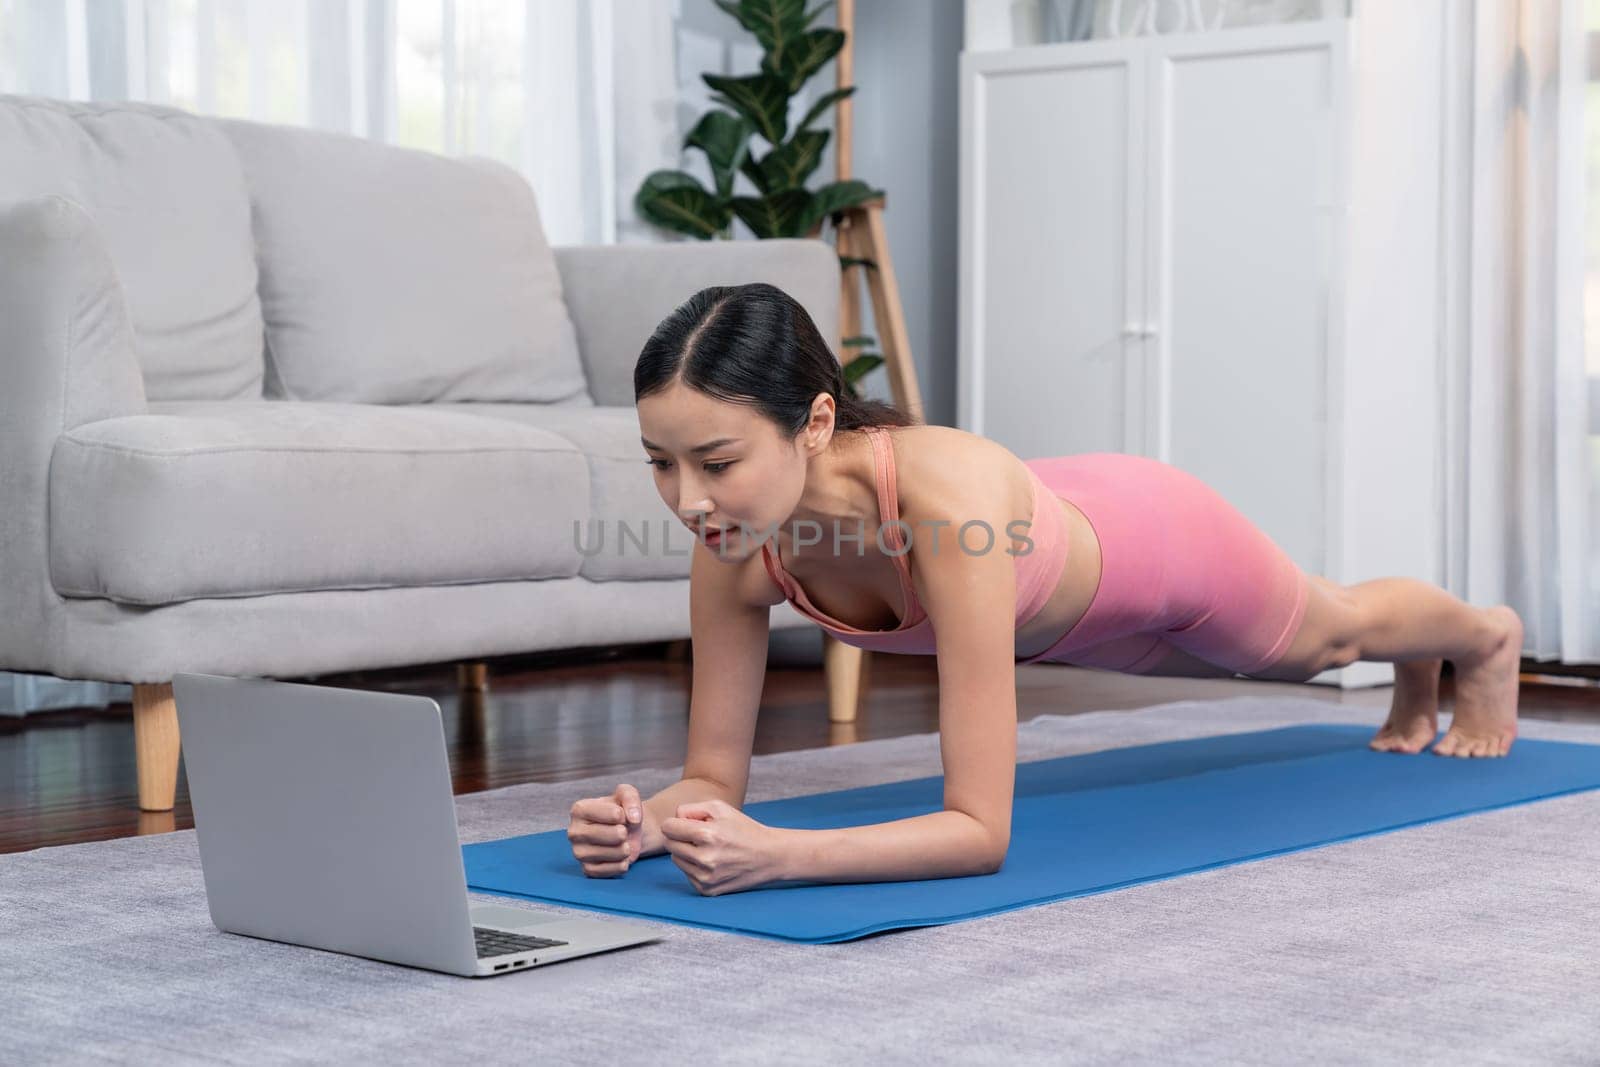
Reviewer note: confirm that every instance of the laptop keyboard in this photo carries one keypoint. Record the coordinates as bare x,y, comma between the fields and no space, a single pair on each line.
501,943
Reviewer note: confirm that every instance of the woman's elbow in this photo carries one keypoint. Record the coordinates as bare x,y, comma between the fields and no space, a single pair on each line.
994,855
983,846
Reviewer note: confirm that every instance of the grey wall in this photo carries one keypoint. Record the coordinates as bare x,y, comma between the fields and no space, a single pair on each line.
905,142
906,132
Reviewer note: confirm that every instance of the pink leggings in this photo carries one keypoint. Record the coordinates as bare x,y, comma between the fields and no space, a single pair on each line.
1181,567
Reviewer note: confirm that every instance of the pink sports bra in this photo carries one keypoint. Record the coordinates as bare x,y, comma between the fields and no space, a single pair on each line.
1038,571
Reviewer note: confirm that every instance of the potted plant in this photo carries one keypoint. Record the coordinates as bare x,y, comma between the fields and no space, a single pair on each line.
756,107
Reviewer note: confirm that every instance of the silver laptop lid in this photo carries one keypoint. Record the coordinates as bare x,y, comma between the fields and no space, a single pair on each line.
325,818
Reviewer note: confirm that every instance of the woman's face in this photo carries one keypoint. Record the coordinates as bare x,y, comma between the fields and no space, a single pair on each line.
745,485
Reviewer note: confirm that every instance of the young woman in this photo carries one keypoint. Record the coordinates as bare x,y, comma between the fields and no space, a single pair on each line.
930,540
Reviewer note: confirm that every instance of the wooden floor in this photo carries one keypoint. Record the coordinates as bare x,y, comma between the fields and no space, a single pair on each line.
68,776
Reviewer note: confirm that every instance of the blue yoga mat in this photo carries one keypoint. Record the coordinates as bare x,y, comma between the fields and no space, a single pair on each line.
1080,825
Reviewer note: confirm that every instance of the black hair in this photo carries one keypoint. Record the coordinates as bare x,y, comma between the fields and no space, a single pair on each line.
754,344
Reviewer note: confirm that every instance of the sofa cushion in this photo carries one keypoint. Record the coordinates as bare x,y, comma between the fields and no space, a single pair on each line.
393,276
257,497
622,490
168,195
618,294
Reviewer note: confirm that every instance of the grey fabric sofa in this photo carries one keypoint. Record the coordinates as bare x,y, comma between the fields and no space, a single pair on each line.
280,402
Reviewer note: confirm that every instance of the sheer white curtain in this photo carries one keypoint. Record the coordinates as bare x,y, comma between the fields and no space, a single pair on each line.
580,95
1521,448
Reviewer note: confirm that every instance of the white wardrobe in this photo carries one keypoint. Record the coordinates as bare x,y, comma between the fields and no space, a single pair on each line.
1220,250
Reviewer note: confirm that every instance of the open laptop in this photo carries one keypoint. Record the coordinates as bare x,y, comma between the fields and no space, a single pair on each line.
325,818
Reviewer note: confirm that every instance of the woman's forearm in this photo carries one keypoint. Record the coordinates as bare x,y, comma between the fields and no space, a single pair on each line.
664,805
941,844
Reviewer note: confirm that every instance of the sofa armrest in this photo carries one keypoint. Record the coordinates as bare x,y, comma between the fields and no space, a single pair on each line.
617,294
66,358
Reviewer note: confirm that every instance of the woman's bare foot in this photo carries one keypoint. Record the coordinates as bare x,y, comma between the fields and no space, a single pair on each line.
1485,721
1414,710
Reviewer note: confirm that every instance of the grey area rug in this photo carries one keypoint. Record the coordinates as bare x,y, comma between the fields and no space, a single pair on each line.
1470,941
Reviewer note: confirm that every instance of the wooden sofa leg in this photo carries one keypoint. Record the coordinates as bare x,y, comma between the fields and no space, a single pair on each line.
846,670
473,677
156,745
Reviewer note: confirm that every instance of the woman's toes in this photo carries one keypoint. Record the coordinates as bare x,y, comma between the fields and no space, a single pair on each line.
1463,746
1388,741
1409,735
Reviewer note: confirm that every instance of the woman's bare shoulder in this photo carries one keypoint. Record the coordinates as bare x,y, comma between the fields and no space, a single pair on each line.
941,471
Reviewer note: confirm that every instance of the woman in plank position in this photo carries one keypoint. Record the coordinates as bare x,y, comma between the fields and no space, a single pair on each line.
930,540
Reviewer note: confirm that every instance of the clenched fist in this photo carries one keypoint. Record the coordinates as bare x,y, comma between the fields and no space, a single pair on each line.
607,833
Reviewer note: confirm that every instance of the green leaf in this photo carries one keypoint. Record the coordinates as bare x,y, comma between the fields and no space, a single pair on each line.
802,57
752,170
725,139
836,196
760,98
778,215
826,101
860,367
774,22
857,341
791,163
677,201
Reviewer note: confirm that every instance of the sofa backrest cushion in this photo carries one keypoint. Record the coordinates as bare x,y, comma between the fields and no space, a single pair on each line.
391,275
167,193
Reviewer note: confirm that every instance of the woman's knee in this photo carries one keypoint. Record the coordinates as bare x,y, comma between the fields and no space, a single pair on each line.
1345,617
1329,636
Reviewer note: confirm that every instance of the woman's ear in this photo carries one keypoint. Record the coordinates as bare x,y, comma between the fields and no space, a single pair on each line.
820,430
